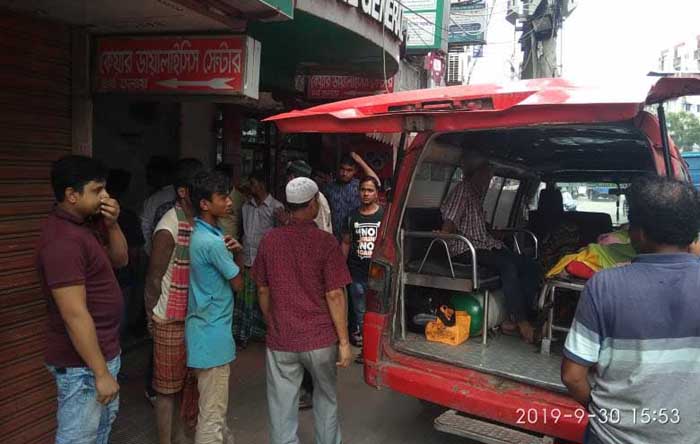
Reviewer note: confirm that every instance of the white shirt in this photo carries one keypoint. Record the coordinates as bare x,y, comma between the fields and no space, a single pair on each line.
257,220
169,223
150,205
323,220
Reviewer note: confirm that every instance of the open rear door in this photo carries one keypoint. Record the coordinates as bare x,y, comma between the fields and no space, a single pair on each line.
458,108
462,108
673,86
669,87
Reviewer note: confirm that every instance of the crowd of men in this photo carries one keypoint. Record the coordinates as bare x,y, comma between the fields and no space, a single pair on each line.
227,263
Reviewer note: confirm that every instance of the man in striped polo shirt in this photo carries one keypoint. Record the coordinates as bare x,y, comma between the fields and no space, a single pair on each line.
632,357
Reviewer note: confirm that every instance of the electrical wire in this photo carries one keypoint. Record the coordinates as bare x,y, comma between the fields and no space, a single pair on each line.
411,11
485,14
529,57
431,31
386,80
471,70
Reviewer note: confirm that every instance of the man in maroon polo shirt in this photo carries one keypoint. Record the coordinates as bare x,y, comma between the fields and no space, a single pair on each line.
301,276
80,244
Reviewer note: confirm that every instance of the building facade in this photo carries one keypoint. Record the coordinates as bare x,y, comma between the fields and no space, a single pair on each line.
118,81
683,57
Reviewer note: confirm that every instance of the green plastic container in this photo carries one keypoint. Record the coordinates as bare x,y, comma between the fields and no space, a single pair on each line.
467,302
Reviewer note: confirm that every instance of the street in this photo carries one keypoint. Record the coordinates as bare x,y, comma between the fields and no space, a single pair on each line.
368,416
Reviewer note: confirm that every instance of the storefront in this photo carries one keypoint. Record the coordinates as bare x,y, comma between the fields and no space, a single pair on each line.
35,129
60,94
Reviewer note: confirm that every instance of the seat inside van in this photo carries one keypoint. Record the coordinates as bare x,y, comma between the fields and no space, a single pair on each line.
522,158
590,224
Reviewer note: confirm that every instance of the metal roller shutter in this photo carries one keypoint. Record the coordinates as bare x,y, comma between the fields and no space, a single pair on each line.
35,129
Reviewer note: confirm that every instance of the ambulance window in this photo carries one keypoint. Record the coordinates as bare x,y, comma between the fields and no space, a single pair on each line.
505,204
429,186
491,198
456,178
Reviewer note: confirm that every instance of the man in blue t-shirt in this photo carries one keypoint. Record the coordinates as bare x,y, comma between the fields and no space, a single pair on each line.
213,276
632,357
343,194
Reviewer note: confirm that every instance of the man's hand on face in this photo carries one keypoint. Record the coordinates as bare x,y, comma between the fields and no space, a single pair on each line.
107,388
109,208
232,244
344,355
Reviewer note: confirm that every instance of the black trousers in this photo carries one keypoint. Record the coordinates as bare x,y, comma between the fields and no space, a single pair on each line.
520,277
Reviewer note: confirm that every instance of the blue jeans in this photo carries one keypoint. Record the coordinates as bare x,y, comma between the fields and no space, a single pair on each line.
81,419
357,291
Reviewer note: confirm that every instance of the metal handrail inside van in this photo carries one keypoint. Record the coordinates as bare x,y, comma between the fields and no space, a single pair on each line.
443,237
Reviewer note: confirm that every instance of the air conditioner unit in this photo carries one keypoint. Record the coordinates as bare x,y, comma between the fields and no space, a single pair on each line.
455,68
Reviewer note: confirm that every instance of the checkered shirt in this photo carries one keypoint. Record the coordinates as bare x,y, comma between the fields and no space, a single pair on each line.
464,207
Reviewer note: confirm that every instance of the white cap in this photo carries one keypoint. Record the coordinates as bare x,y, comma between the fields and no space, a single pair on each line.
300,190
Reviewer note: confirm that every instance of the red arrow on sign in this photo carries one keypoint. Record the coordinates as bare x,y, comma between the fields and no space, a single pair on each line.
220,83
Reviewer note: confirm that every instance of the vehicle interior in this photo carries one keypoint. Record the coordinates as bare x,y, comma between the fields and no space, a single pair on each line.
585,168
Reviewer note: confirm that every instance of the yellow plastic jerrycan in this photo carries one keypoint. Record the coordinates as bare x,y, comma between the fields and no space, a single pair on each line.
451,327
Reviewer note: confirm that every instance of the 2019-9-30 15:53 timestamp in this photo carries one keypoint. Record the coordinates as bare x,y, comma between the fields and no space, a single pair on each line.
639,416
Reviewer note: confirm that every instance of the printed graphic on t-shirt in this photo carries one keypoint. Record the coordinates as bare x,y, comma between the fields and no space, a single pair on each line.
366,235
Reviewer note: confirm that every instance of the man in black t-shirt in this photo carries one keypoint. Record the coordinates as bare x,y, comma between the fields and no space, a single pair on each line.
359,235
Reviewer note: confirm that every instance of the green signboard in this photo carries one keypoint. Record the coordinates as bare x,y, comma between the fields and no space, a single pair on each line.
468,23
425,24
285,7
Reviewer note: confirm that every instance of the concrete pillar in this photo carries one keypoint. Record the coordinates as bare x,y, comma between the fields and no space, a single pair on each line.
542,62
81,98
197,138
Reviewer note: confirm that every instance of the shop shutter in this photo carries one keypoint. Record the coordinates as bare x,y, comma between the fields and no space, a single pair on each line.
35,129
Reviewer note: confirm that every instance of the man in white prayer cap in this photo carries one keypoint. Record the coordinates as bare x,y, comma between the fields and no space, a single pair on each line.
301,275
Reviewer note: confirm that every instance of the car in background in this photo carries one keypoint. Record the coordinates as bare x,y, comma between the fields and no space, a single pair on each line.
693,161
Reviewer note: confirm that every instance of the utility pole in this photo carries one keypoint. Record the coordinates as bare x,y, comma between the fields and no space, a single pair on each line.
540,22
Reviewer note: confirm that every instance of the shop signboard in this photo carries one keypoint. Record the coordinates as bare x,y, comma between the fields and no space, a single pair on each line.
178,65
425,24
337,87
387,12
467,23
284,7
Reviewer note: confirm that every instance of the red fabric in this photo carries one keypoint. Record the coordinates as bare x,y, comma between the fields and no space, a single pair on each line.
169,357
180,276
69,254
580,270
300,264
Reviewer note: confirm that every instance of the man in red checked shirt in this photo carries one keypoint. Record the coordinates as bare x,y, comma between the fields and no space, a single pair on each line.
301,276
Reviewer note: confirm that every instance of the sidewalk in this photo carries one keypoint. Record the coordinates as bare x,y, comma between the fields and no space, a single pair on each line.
368,416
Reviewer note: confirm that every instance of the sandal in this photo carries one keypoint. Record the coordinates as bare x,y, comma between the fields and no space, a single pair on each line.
509,328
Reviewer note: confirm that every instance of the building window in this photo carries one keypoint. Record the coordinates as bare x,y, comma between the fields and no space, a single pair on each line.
687,107
697,108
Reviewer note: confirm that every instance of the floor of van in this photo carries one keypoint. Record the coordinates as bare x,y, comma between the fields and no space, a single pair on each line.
505,356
